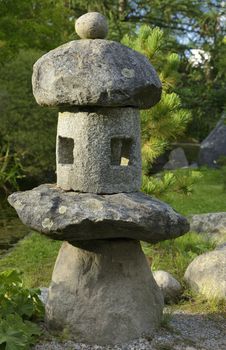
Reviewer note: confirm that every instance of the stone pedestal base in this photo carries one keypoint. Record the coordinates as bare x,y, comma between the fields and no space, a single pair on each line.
103,292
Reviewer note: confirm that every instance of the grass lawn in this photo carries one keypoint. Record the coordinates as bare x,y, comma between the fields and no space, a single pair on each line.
35,256
208,194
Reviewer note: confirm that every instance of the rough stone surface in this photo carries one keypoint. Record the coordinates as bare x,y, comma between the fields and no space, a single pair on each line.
103,293
177,159
169,286
206,274
75,216
99,151
95,73
91,25
214,145
44,294
211,224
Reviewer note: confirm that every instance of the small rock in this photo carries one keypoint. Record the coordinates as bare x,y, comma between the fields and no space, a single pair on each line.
206,274
211,224
44,294
92,25
169,286
177,159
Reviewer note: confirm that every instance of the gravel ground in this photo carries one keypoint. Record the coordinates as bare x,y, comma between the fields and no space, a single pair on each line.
183,332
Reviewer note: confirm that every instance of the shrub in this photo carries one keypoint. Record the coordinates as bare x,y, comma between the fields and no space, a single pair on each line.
177,181
19,307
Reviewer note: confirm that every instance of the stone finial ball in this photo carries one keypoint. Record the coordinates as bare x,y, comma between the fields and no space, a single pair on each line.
92,25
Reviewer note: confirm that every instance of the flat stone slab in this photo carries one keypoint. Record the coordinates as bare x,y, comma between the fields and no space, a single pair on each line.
95,73
74,216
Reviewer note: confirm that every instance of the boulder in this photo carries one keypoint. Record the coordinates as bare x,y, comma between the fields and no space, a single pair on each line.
74,216
211,224
95,73
103,293
214,146
206,274
177,159
169,286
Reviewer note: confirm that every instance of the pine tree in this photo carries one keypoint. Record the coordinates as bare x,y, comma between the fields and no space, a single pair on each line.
166,121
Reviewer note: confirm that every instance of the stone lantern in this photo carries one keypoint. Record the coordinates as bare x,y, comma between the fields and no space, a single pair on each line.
102,289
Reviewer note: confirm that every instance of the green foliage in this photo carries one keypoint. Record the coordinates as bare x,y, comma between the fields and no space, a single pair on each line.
147,41
204,83
162,124
16,334
28,128
45,24
40,24
156,186
10,169
177,182
207,195
185,181
166,121
191,25
18,305
17,299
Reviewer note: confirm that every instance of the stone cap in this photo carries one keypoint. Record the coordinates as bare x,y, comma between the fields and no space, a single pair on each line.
95,72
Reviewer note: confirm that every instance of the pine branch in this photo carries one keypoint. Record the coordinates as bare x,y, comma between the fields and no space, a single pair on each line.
160,23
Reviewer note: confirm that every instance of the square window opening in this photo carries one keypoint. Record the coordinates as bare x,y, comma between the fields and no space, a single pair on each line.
121,151
65,150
